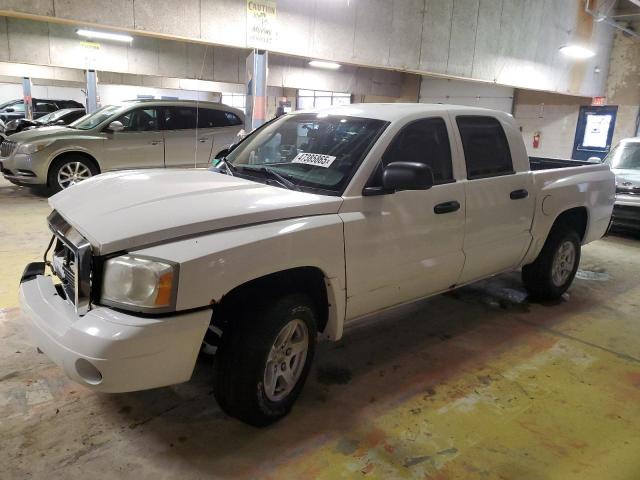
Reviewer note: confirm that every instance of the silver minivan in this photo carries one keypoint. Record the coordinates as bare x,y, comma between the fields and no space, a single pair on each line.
131,134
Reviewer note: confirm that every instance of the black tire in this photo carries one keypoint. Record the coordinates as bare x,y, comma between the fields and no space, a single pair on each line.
241,359
59,163
538,276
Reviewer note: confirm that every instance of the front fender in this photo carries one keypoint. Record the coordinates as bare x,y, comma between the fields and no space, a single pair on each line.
212,265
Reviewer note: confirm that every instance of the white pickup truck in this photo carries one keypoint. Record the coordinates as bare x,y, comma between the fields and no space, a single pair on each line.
312,221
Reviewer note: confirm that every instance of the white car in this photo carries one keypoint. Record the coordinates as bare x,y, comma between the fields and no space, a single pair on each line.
312,221
624,161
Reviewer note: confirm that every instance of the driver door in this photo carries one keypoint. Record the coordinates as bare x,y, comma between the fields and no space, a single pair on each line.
406,245
139,145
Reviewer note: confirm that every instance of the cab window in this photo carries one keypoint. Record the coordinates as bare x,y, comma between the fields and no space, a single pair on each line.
486,150
423,141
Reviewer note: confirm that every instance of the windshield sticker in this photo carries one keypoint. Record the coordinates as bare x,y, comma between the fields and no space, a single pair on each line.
315,159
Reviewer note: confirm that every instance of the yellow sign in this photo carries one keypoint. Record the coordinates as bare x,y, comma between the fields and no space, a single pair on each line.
93,45
261,23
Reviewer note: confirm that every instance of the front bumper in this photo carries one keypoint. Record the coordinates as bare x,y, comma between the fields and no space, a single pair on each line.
626,212
110,351
23,169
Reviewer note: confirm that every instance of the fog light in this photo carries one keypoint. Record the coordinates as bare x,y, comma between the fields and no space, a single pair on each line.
88,372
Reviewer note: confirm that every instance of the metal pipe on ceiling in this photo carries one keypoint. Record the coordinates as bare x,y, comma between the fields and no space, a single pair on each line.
600,16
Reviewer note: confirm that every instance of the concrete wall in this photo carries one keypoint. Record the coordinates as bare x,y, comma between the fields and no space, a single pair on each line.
13,91
55,45
473,94
554,116
623,86
511,42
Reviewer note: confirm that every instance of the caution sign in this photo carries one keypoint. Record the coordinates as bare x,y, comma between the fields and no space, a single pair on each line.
261,23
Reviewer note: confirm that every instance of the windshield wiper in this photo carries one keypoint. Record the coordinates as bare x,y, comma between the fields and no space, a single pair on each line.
285,182
282,180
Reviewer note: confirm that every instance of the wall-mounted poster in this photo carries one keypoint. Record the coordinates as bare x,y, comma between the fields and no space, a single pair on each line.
261,23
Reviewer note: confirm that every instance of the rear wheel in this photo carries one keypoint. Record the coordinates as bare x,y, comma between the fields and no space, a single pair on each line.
551,274
264,358
69,170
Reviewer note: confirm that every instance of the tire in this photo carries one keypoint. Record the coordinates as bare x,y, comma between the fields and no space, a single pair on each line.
244,360
562,252
65,167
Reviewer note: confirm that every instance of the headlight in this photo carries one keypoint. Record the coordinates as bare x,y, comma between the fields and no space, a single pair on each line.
29,148
143,283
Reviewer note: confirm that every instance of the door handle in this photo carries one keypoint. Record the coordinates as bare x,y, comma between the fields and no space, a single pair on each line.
156,142
202,140
446,207
518,194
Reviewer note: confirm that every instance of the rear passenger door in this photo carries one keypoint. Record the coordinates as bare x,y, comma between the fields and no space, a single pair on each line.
499,200
183,145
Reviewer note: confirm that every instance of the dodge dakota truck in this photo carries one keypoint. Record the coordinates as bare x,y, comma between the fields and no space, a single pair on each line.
312,221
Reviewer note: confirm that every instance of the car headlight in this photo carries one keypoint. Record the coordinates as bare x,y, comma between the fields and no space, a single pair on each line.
29,148
139,283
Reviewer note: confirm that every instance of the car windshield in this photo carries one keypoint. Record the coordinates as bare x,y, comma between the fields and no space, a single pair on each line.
96,118
53,116
318,152
625,155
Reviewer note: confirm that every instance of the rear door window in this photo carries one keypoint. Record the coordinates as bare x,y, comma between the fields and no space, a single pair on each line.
213,118
180,118
486,149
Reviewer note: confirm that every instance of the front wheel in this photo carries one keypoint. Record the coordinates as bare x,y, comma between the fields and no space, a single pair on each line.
262,364
551,274
69,170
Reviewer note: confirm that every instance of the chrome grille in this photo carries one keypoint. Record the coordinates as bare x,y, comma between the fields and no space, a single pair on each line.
64,266
6,148
71,262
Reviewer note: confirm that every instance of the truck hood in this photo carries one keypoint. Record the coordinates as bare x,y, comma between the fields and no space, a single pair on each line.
43,133
127,210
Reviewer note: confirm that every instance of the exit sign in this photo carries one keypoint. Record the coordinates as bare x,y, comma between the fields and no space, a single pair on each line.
598,101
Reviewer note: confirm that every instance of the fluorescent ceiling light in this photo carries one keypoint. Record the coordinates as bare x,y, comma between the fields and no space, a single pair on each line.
576,51
105,35
321,64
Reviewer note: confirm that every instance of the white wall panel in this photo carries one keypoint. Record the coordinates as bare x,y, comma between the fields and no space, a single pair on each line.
473,94
511,42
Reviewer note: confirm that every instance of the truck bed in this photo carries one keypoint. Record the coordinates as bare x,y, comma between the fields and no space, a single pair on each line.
542,163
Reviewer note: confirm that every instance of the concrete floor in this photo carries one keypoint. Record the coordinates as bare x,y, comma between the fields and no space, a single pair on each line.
479,383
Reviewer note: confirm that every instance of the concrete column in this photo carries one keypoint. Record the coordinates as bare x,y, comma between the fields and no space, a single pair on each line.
256,105
28,101
92,91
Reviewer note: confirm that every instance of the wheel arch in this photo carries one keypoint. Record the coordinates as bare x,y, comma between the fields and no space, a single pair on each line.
308,279
68,153
576,218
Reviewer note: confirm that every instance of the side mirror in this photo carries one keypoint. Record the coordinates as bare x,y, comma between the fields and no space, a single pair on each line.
594,160
61,122
222,153
407,176
116,126
9,110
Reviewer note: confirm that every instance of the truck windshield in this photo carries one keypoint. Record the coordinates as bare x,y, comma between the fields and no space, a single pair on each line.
312,151
625,156
96,118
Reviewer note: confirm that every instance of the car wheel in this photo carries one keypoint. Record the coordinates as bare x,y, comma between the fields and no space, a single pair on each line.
69,170
262,364
551,274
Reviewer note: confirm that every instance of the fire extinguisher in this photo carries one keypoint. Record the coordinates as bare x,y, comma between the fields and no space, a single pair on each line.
536,140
